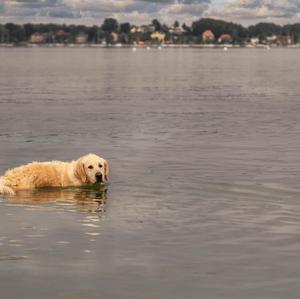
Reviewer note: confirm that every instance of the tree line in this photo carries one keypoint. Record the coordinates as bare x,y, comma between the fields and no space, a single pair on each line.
177,33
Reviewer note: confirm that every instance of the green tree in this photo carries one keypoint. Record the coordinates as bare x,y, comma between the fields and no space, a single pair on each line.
219,27
29,29
125,28
16,32
176,24
186,28
292,30
157,25
110,25
262,30
93,34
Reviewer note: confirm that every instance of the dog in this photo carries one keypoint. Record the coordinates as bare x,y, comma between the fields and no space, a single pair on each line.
87,170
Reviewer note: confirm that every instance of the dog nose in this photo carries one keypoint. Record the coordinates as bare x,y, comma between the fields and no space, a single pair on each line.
98,177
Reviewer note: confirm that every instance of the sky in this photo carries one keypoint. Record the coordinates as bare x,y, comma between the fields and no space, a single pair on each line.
93,12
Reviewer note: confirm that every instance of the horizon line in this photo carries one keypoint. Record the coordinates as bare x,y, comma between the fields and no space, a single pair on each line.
133,24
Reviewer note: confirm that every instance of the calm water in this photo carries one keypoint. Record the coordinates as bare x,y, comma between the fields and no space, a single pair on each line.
204,199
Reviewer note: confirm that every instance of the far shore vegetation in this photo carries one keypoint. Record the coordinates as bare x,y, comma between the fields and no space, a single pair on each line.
205,31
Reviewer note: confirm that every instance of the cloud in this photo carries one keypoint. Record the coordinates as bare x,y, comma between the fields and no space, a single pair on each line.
193,9
31,3
143,11
176,1
1,9
96,10
26,9
280,11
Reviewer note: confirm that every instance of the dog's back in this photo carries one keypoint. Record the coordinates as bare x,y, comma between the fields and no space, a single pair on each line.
32,175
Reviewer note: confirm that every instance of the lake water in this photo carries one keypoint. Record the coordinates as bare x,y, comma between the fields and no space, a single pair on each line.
204,196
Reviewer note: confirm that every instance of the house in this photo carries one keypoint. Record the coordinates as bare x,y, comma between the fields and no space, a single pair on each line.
225,38
142,29
37,38
135,29
175,30
81,38
254,40
284,41
271,39
208,36
158,36
61,36
147,28
114,36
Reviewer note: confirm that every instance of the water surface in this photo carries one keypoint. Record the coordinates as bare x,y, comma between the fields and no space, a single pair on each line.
204,153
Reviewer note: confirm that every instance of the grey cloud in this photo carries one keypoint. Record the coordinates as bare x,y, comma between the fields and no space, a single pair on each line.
75,9
34,8
24,1
147,9
144,6
178,1
34,3
180,6
61,13
261,9
159,1
193,10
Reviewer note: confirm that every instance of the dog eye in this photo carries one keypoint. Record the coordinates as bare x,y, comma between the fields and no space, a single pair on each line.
90,167
100,166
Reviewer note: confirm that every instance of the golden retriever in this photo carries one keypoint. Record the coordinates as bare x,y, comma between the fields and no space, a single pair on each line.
87,170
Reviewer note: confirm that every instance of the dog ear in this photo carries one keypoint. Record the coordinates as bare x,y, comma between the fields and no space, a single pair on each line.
106,170
80,171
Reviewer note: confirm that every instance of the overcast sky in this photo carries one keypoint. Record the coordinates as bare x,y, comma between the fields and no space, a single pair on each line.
143,11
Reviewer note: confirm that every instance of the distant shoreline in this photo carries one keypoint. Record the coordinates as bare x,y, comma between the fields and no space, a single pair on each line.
148,47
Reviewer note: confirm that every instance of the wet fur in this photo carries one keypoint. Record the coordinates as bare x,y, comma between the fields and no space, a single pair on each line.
52,174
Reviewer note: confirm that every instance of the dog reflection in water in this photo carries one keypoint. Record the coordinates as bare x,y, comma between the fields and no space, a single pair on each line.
84,200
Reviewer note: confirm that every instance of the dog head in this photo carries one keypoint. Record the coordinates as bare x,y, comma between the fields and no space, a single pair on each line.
91,169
